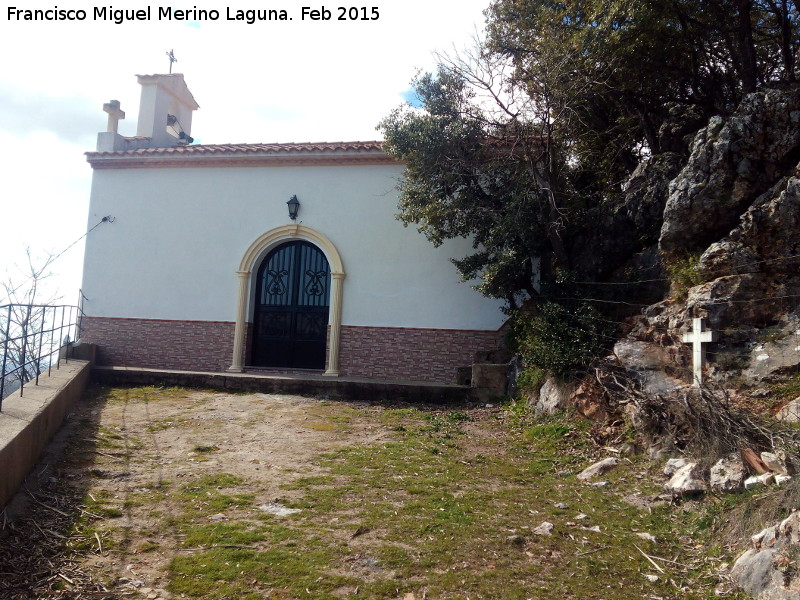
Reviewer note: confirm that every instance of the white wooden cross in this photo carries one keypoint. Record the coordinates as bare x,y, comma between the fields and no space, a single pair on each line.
114,115
697,337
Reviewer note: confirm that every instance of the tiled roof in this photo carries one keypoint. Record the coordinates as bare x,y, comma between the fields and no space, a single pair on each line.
288,148
240,154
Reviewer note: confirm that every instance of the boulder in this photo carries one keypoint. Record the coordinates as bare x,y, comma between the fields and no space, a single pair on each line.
687,480
554,395
673,465
727,474
769,568
776,461
598,468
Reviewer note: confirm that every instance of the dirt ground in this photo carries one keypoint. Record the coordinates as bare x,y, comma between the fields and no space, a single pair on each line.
162,494
124,447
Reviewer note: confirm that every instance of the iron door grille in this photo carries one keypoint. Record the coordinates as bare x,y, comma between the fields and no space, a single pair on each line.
292,304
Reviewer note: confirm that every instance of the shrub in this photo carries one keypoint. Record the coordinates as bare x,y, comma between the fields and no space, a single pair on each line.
683,274
558,338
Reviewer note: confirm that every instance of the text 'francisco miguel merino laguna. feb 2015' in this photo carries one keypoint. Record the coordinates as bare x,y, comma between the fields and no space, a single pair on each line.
167,13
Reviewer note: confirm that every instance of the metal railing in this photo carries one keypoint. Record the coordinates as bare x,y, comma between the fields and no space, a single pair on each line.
30,334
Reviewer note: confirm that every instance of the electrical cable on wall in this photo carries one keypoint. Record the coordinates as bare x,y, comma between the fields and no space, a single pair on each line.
52,259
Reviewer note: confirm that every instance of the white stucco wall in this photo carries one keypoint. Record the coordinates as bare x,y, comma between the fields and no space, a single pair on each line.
179,235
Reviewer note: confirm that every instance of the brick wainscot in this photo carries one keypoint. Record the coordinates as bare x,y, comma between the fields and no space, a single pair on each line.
375,352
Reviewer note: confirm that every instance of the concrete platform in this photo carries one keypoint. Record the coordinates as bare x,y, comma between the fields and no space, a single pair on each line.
28,422
347,388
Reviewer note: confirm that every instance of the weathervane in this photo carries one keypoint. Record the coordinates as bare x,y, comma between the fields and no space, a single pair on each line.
172,59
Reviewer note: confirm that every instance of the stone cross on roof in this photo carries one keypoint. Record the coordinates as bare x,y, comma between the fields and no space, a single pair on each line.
697,337
114,115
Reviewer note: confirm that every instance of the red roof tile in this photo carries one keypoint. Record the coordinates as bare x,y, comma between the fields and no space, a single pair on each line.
235,154
288,148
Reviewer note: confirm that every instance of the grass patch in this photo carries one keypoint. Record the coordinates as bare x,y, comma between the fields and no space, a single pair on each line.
204,496
444,506
787,390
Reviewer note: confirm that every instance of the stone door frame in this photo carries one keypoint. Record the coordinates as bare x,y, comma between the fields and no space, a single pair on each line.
246,274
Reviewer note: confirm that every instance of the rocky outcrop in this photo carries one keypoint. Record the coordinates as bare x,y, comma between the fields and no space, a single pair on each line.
646,194
765,238
769,568
733,161
623,231
677,131
752,283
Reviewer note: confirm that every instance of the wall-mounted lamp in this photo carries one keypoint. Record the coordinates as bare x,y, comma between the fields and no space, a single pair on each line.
294,207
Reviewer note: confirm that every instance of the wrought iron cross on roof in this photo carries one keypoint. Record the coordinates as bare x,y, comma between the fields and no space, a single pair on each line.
172,59
697,337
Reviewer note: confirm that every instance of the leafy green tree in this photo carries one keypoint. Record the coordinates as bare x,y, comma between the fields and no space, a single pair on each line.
523,142
471,174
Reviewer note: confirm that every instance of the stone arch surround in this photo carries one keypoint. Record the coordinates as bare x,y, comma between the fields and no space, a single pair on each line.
246,273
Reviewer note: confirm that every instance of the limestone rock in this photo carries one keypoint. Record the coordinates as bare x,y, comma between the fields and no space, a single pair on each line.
545,528
725,301
598,468
727,474
647,189
622,233
554,395
778,354
776,462
765,232
769,568
759,480
678,129
733,160
590,401
790,413
648,360
686,481
673,465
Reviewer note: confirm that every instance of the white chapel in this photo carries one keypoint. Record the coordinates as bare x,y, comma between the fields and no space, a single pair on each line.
266,257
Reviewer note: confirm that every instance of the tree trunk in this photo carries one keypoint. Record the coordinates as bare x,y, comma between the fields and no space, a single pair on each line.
746,49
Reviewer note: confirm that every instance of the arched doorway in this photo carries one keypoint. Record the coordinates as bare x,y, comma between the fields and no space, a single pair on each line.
251,260
290,320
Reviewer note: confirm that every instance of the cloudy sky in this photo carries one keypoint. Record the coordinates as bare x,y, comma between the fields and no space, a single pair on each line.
278,81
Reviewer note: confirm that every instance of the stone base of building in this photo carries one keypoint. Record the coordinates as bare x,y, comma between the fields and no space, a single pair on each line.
389,353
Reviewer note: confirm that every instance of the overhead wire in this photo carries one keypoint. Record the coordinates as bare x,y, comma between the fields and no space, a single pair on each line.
53,258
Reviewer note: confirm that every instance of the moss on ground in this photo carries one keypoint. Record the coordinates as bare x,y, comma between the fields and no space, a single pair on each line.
445,506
